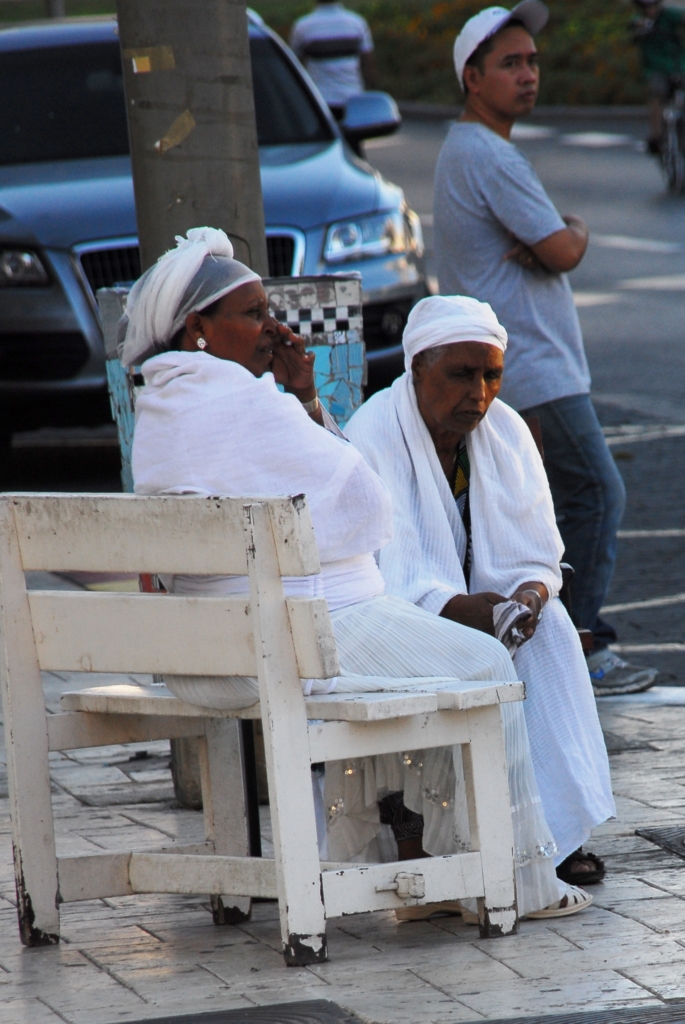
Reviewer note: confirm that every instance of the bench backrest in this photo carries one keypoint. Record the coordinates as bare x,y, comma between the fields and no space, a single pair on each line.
150,633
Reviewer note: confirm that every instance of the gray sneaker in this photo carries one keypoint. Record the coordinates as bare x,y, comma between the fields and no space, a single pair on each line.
612,675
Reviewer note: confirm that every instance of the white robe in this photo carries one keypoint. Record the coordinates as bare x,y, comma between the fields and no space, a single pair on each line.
514,540
208,426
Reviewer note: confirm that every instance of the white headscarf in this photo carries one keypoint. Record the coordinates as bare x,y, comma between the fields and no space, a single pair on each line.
200,270
447,319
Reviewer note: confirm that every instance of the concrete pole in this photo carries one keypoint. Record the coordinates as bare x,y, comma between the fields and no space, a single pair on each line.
191,119
188,82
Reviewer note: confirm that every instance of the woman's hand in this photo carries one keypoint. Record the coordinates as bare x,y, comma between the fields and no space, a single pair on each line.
293,366
474,610
534,596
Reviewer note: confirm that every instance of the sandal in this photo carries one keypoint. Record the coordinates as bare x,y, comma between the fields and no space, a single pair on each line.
574,900
566,873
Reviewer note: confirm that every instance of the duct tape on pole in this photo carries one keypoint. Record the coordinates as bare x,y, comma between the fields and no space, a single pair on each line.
191,117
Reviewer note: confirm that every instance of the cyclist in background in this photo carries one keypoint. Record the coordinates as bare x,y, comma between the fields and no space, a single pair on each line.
336,47
657,31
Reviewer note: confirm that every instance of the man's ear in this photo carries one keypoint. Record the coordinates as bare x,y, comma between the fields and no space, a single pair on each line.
472,78
418,367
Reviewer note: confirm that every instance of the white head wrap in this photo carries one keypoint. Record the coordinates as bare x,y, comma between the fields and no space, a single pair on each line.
200,270
448,319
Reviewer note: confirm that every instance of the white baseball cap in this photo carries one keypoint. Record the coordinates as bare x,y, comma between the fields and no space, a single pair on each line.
533,13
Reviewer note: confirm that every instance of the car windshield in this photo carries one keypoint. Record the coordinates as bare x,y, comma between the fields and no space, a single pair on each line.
286,112
68,102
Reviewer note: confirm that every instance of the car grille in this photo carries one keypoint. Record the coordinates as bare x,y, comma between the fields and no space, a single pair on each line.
107,267
41,356
280,250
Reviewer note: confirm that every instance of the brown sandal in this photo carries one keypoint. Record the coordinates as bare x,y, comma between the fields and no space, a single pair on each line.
566,873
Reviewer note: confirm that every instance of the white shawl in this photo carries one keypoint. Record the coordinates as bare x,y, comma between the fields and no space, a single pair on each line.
209,426
514,533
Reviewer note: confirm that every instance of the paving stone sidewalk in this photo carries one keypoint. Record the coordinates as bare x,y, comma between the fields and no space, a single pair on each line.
138,957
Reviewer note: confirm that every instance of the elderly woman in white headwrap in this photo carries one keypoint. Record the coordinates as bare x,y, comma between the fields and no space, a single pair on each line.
211,420
475,537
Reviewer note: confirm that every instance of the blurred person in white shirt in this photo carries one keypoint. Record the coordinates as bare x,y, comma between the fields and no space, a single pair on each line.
336,47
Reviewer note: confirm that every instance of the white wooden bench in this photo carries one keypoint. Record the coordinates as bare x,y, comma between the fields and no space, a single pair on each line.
278,640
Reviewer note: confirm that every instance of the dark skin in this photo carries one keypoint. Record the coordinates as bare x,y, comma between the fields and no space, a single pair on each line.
505,90
454,394
243,331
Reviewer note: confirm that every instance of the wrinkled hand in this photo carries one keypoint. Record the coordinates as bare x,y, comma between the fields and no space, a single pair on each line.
533,601
474,610
293,366
523,255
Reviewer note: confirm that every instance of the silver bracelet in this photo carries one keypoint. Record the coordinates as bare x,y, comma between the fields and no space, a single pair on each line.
313,406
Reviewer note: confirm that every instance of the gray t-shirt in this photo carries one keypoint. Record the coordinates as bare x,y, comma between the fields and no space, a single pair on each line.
485,192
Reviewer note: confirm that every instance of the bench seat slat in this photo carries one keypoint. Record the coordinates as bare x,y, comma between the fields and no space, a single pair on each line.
155,700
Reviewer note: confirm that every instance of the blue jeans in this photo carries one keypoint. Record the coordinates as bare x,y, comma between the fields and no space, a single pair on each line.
589,500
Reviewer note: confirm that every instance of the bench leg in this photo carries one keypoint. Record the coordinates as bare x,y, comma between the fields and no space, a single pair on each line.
487,788
225,806
26,735
286,741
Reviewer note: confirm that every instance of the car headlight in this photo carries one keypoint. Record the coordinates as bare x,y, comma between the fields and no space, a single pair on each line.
414,231
21,267
365,237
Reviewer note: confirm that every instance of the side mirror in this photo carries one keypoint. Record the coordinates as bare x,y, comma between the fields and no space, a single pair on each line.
370,115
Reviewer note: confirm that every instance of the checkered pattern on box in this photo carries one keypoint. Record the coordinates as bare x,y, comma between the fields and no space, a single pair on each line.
321,321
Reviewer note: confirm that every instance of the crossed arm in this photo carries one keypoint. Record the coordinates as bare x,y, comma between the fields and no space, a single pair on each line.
558,253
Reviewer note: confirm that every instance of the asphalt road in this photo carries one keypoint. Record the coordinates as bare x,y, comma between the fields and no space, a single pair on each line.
630,290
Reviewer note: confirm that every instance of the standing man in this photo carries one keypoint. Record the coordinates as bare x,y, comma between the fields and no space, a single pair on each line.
336,47
499,238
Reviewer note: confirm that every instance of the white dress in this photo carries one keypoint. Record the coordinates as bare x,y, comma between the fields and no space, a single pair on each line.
514,540
208,426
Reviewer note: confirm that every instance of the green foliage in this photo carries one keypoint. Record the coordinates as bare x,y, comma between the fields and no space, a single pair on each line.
30,10
587,56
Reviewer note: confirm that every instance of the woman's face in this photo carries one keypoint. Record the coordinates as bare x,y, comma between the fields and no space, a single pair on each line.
241,329
455,392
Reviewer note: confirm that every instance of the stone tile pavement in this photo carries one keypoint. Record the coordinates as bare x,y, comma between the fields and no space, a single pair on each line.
138,957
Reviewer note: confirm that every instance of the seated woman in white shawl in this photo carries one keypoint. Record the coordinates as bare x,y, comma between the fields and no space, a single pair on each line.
211,420
474,528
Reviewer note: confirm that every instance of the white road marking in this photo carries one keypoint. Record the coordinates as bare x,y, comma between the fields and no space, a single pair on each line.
386,143
665,283
629,244
629,435
644,405
676,648
645,534
654,602
596,140
531,132
664,695
585,299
